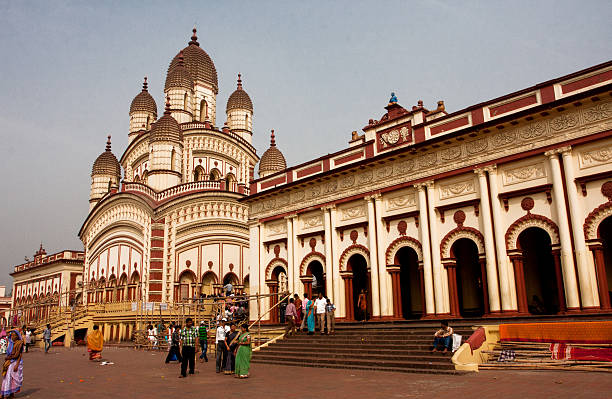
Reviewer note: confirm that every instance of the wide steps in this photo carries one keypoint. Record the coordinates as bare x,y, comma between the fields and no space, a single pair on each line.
388,351
319,354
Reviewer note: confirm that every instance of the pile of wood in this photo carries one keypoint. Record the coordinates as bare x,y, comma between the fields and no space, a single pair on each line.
537,356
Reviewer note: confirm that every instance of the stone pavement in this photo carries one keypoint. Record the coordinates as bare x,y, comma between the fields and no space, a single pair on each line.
67,373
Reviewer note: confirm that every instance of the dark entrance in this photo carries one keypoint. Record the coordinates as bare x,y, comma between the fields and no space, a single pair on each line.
361,282
539,271
410,283
315,268
605,233
469,278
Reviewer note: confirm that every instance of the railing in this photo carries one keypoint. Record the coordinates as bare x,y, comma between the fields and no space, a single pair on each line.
205,185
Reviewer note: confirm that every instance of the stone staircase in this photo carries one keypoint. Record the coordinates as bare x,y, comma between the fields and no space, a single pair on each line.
373,346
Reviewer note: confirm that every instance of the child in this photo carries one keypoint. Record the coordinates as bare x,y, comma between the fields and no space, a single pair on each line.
330,316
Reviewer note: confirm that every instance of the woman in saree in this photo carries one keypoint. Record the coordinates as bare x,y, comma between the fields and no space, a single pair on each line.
243,353
12,369
3,341
310,318
95,342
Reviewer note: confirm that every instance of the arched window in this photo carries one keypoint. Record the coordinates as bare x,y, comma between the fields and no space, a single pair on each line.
148,122
185,102
214,175
198,173
173,160
203,110
145,175
230,182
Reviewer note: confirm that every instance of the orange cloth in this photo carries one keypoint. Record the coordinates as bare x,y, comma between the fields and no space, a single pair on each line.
95,340
591,332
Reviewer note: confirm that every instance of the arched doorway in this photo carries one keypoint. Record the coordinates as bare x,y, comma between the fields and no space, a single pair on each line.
186,280
542,278
208,280
470,279
410,293
245,283
605,234
315,269
277,283
360,282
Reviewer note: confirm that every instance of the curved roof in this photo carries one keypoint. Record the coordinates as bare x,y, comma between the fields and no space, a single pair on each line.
180,76
198,63
272,160
239,99
166,128
144,101
106,163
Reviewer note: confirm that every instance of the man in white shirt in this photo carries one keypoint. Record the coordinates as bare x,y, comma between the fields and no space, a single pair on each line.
221,345
320,303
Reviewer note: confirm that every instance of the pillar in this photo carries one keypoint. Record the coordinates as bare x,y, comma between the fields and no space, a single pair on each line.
451,268
424,236
386,290
396,290
519,278
441,293
348,295
290,261
559,278
273,289
489,244
485,289
329,274
602,280
586,272
254,264
307,281
567,259
335,261
373,247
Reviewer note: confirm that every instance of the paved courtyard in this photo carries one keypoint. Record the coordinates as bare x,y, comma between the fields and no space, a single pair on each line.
67,373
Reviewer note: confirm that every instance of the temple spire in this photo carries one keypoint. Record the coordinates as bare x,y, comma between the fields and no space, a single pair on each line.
194,37
108,145
145,85
272,139
239,81
167,110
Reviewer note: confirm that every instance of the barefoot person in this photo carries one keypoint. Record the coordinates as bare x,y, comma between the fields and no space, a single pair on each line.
443,336
243,354
12,369
95,343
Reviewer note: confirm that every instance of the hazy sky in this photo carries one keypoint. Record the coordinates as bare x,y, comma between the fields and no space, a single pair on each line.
315,70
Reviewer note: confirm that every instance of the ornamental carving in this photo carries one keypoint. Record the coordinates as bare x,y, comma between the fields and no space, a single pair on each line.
270,204
312,221
457,233
277,228
347,181
595,157
428,160
597,113
533,131
404,167
527,221
390,138
457,189
450,154
476,146
401,201
400,243
353,212
503,139
330,186
365,177
593,220
524,173
354,250
298,196
384,171
308,259
563,122
314,192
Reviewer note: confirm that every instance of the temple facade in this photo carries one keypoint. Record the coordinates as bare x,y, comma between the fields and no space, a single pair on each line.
165,221
502,208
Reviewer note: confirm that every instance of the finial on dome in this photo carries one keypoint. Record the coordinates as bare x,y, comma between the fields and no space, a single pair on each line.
194,37
181,59
167,110
239,81
272,139
108,143
145,85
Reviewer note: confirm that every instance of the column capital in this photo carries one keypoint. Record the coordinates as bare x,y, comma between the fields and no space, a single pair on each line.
328,207
419,186
429,183
481,172
551,153
490,168
565,151
289,217
371,197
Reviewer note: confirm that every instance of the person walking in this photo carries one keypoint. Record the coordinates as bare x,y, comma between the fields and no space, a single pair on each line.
189,337
244,352
320,303
203,335
298,307
47,337
330,315
28,338
175,341
362,305
12,368
221,345
232,342
291,316
304,311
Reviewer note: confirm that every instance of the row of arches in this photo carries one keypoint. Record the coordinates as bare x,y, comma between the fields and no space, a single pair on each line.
188,286
536,261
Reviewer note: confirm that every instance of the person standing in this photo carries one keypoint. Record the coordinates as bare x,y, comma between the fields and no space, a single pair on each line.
95,344
221,345
203,335
189,337
175,341
28,339
232,342
298,308
310,316
12,369
362,305
320,303
330,315
47,337
304,311
244,352
291,316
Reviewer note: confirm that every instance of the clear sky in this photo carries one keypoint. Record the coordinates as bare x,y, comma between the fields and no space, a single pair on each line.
315,70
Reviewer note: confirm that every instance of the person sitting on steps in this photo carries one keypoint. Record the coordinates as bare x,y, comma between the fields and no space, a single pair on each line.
443,336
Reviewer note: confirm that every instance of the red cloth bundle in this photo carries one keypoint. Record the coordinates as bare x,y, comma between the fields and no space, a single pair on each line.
564,351
477,339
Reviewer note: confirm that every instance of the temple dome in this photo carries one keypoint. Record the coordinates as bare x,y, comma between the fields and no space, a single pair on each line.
144,101
272,160
197,62
106,163
166,128
239,99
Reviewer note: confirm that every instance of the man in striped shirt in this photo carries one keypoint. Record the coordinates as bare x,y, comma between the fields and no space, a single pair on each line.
189,337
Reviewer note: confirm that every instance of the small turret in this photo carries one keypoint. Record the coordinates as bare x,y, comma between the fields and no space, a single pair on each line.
105,175
239,112
166,151
179,87
143,112
272,160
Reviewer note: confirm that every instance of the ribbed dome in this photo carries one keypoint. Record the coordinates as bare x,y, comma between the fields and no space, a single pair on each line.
106,163
198,63
272,160
166,128
180,76
143,101
239,99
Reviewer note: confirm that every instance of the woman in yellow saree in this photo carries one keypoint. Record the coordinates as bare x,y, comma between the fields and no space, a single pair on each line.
95,342
243,354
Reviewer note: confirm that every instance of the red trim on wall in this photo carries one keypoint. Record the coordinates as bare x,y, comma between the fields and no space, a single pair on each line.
348,158
477,116
309,170
450,125
419,134
273,182
586,82
325,164
513,105
547,94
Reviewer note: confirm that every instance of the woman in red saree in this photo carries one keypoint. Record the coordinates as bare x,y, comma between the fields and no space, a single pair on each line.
95,342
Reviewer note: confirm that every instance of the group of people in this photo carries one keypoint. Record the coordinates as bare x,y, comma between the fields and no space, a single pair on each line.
311,314
233,347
